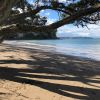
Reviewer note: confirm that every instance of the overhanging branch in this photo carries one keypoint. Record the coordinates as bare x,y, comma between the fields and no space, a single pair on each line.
20,16
53,26
75,16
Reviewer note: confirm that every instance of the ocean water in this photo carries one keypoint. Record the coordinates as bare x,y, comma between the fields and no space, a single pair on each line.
81,47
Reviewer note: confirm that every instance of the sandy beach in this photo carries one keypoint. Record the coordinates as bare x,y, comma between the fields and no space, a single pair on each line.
31,74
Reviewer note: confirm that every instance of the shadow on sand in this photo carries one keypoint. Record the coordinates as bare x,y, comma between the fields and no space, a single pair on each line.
55,67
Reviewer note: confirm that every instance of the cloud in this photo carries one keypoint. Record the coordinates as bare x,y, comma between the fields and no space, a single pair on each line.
51,20
62,0
72,31
45,13
42,11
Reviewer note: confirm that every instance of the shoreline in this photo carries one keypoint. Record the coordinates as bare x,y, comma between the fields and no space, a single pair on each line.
31,74
52,49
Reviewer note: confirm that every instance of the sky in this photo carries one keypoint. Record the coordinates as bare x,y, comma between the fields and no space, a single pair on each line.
71,30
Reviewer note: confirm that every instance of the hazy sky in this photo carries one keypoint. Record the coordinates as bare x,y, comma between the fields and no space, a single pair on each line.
70,30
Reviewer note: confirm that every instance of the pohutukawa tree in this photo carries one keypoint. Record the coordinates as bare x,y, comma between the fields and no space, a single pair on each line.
77,12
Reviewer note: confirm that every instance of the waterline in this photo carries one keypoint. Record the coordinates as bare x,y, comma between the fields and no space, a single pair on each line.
89,50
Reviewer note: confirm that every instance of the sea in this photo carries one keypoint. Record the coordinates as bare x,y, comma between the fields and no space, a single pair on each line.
88,48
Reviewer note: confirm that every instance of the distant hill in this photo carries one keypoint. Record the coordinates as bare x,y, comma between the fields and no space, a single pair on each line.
76,37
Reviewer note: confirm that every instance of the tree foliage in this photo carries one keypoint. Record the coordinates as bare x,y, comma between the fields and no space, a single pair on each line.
77,12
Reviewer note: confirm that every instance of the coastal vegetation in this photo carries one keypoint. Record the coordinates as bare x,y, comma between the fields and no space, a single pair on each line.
21,16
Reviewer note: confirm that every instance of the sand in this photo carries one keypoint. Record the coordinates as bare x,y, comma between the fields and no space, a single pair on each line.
30,74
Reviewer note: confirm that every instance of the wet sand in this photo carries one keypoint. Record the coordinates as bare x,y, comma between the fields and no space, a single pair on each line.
31,74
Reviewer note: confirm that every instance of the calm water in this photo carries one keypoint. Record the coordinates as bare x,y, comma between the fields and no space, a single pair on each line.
83,47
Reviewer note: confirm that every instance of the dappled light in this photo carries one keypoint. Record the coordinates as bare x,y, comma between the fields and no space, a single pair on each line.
58,74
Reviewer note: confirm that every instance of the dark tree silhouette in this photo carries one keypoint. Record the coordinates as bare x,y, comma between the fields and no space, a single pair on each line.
79,12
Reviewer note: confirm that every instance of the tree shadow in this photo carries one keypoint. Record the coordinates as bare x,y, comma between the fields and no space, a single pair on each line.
3,95
55,68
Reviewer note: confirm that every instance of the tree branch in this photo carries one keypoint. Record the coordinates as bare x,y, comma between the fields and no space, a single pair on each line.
75,16
20,16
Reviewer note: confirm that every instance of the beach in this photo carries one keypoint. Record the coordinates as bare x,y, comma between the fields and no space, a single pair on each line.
34,74
80,47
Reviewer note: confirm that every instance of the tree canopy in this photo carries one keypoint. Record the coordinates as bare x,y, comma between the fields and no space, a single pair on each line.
77,12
